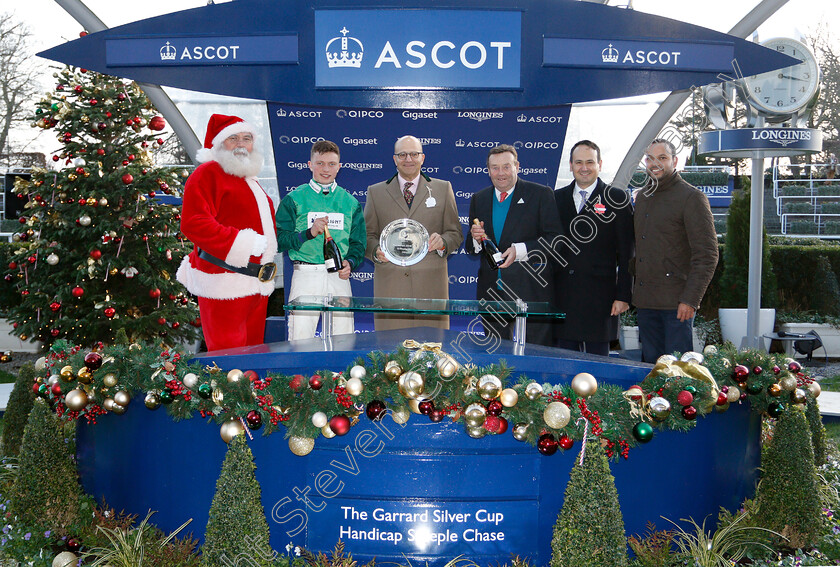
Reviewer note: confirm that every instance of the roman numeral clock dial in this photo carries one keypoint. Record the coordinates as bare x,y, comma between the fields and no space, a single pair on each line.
782,94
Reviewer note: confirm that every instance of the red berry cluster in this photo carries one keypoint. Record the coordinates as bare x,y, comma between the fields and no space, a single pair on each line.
342,397
591,416
623,446
802,380
559,397
262,384
177,388
205,413
657,393
275,416
92,412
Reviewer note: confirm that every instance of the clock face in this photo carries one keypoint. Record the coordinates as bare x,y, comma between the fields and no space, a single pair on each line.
785,90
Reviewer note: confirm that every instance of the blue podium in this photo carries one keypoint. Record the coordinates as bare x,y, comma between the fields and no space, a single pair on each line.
419,491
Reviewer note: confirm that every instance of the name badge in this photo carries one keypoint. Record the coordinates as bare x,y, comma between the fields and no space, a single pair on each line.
335,222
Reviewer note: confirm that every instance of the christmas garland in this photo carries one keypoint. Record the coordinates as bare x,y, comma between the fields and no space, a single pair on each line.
421,379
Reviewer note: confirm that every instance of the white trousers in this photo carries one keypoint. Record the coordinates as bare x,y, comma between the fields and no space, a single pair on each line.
313,279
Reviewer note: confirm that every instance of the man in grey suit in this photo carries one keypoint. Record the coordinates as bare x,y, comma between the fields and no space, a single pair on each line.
412,194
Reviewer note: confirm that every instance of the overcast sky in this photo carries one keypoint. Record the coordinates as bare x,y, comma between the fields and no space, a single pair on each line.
52,26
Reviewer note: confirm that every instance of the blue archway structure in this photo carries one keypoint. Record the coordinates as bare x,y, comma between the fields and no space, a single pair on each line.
476,63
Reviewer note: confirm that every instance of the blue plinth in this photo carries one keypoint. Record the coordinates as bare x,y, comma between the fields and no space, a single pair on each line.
421,491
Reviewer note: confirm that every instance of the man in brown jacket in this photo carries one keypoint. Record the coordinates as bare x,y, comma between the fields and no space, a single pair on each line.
676,254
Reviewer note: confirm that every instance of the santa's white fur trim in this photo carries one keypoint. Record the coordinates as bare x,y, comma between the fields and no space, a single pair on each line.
228,285
204,155
240,251
235,128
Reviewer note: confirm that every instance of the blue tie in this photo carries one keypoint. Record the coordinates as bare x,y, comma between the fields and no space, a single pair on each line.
582,200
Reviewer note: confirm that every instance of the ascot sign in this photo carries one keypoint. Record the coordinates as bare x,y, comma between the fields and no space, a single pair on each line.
370,48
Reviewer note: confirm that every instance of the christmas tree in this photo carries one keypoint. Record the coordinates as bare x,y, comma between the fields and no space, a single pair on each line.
97,252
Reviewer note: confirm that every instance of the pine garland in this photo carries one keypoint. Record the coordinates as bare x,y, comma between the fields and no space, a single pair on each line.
671,397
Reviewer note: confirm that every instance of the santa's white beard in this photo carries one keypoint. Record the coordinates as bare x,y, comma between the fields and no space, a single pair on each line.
239,162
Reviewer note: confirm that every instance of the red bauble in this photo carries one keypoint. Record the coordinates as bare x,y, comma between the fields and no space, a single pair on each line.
340,424
73,545
566,442
495,408
758,370
249,374
160,141
12,265
110,312
96,254
503,425
56,389
161,321
740,372
100,152
196,322
689,413
157,123
127,178
794,366
437,416
253,419
375,410
315,382
77,291
154,293
93,102
55,306
776,369
721,401
93,360
296,382
685,398
426,407
176,325
547,444
55,332
492,423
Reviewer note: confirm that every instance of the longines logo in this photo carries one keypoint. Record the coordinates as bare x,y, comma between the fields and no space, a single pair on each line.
361,276
300,139
430,142
783,137
481,116
535,145
343,113
341,52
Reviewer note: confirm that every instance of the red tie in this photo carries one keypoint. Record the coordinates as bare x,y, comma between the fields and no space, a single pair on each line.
409,196
503,196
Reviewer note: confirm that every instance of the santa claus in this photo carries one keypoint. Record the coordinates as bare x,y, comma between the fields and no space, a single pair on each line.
230,219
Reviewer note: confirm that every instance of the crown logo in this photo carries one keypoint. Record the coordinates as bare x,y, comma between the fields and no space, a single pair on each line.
459,143
610,55
167,52
522,118
281,113
348,54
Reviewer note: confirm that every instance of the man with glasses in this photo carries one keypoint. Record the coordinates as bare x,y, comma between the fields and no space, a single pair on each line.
412,194
676,254
301,218
230,220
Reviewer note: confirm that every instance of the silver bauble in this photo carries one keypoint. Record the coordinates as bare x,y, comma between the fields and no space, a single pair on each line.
358,371
556,415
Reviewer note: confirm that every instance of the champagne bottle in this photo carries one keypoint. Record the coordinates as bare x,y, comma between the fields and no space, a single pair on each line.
491,251
332,255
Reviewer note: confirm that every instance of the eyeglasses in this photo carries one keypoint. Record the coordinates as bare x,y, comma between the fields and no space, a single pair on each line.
412,155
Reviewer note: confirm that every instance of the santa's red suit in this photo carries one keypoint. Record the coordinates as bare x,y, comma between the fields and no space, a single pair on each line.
229,217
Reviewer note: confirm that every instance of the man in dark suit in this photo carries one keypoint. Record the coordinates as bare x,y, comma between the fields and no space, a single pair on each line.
593,283
519,217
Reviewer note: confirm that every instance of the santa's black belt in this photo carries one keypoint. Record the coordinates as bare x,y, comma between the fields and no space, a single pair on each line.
263,272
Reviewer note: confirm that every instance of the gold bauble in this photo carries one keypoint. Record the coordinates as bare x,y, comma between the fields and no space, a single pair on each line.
67,373
774,390
725,362
414,406
84,375
217,396
76,400
798,396
91,201
110,380
666,359
301,446
489,387
190,380
122,398
722,408
354,386
709,350
585,384
327,431
476,432
533,391
447,366
118,409
692,356
815,389
509,397
72,177
319,419
411,384
556,415
400,416
474,415
65,559
788,383
235,375
520,431
152,400
358,371
393,370
733,394
108,404
660,408
231,428
113,271
41,364
103,202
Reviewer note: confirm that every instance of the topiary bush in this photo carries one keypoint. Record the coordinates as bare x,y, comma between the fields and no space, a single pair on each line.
17,411
237,528
590,528
818,436
47,490
787,498
827,301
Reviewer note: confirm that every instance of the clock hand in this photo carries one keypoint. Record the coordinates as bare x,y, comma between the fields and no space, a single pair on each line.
790,77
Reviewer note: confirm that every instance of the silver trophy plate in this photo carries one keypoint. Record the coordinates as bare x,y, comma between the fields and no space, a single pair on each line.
404,242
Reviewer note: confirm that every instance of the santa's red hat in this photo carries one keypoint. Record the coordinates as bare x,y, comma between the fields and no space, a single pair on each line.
219,128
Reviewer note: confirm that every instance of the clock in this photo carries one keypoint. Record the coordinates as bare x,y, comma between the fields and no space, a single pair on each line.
784,92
